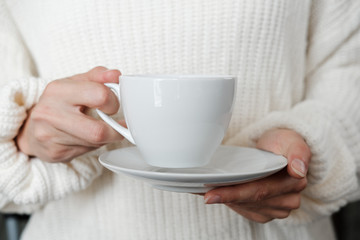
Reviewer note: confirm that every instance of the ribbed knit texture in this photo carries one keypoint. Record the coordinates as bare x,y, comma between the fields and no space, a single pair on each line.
298,67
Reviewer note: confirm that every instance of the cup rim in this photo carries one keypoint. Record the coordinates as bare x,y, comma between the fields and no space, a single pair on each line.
179,76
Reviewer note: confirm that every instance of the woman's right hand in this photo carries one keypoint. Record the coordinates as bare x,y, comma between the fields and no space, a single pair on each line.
57,128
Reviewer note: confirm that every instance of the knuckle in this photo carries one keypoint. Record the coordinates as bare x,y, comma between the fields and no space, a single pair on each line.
302,150
260,194
262,219
303,147
53,156
37,113
301,185
115,105
41,135
41,112
102,95
283,214
296,202
98,134
57,154
98,68
52,87
291,202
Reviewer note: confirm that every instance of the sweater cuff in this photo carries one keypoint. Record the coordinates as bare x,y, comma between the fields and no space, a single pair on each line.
332,174
30,182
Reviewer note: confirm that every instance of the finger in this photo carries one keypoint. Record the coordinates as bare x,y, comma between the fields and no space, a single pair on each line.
85,127
95,74
69,139
111,76
95,95
270,213
289,201
58,137
99,74
251,215
199,194
48,135
256,191
75,151
92,131
298,155
89,94
59,153
122,122
289,144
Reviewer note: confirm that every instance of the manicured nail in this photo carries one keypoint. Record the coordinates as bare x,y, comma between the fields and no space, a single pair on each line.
299,167
213,199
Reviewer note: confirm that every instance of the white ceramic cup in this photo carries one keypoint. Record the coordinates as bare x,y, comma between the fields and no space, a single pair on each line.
176,121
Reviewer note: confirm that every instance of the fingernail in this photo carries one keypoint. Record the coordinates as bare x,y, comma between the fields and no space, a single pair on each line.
213,199
299,167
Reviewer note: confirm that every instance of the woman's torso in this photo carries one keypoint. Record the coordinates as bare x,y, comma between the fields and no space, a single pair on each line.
263,43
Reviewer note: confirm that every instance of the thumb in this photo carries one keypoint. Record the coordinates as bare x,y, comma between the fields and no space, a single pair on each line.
291,145
298,155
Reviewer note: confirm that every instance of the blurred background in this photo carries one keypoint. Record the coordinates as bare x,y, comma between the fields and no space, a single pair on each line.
11,226
346,223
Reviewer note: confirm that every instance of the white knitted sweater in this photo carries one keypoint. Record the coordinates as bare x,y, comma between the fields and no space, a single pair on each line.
298,67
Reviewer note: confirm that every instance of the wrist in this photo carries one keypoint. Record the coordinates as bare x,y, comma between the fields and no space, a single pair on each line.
21,142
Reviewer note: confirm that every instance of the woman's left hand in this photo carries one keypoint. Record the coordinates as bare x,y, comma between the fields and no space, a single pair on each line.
274,196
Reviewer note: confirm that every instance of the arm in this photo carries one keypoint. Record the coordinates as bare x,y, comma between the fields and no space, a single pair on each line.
328,118
27,182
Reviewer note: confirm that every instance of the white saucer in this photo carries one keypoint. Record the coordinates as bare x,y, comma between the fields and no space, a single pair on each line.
229,165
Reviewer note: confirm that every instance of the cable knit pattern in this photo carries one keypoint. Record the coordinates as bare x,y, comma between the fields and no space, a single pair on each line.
271,46
329,118
26,183
32,181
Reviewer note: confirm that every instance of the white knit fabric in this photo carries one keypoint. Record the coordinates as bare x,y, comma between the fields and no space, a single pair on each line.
298,67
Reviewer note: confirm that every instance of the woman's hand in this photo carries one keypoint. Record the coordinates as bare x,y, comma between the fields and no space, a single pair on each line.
277,195
57,129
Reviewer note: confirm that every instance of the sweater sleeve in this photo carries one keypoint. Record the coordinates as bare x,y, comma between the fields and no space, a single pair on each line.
26,184
329,115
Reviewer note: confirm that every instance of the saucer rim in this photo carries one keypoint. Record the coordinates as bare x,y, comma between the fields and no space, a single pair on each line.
210,177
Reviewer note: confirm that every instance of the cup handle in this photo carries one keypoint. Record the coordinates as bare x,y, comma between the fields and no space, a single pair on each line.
120,129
